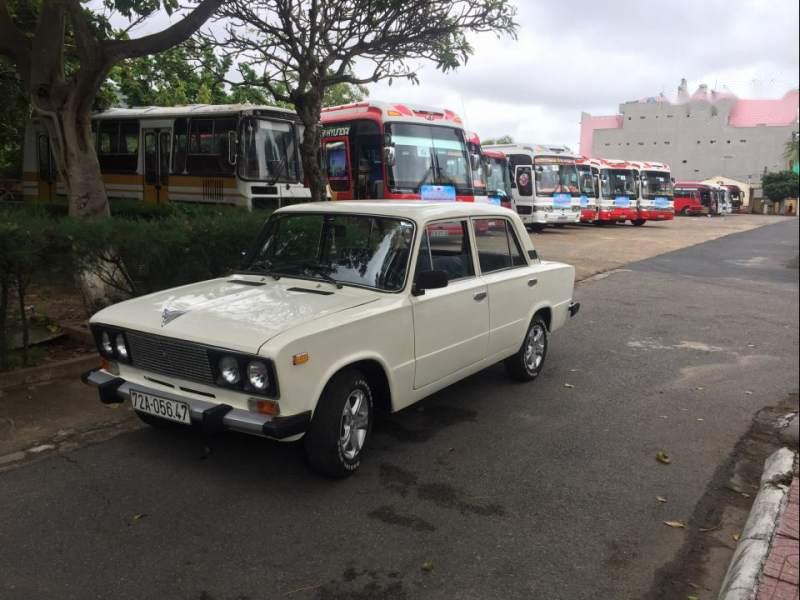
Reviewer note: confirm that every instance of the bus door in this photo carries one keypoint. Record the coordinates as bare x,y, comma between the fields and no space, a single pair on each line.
156,164
523,176
336,153
47,169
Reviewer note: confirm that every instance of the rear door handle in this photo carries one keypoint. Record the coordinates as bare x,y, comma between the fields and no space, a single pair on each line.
532,282
479,296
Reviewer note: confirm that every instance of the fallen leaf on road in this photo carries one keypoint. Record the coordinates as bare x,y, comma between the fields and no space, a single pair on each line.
748,393
138,516
675,524
700,419
663,457
751,345
735,537
707,529
699,388
663,417
427,566
573,370
692,598
661,499
568,385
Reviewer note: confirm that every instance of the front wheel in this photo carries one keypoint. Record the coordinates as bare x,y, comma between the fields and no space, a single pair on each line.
341,425
528,362
639,222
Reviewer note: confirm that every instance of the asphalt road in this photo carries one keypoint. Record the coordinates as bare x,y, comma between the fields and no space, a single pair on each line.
509,490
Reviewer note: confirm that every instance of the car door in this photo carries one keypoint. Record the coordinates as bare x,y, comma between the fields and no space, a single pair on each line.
451,324
510,280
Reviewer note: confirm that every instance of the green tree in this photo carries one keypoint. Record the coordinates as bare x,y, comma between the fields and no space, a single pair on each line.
781,185
504,139
63,51
298,49
14,113
791,150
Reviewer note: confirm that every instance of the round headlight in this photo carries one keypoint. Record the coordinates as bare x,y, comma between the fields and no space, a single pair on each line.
119,343
105,344
258,376
229,369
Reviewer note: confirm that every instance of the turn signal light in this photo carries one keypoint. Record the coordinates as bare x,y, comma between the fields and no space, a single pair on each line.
394,113
300,359
264,407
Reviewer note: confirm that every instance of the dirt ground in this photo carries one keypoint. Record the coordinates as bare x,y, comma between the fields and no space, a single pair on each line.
594,249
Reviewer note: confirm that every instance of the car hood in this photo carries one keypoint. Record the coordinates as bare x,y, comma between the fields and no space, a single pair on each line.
238,313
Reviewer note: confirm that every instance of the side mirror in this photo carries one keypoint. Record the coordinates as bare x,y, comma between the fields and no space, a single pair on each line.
232,147
388,156
489,168
429,280
475,161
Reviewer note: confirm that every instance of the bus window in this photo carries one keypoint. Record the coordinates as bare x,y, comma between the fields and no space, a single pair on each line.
118,146
181,133
208,147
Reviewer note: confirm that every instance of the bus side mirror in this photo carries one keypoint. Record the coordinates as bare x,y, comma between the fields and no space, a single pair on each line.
475,161
232,147
388,156
489,167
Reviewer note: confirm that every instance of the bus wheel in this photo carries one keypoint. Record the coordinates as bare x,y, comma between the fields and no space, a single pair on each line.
685,211
639,222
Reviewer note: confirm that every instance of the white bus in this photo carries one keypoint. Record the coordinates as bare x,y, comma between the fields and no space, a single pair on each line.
243,155
544,184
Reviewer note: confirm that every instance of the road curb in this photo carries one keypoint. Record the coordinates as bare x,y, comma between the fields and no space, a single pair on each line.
748,560
47,372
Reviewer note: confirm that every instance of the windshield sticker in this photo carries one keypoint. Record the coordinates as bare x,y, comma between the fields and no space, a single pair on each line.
584,201
495,200
553,160
662,202
622,201
562,200
438,193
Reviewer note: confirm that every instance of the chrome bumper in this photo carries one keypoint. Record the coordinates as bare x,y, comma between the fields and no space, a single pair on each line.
211,417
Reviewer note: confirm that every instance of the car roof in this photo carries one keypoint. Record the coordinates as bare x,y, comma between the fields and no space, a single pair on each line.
417,210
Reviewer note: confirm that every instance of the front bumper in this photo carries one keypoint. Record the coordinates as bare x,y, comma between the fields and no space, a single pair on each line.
210,417
653,214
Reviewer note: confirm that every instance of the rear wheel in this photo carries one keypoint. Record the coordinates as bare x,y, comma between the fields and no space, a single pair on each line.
341,425
528,362
685,211
639,222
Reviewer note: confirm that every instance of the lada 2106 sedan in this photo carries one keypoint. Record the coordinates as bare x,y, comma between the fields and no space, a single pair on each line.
343,309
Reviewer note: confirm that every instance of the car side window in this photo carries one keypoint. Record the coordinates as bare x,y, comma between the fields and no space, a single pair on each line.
498,246
445,247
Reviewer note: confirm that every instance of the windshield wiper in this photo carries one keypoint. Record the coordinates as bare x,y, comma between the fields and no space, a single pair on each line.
322,272
261,268
281,167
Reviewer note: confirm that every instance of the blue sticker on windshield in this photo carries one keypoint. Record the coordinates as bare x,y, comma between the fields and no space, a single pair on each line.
584,201
662,202
438,193
622,201
562,200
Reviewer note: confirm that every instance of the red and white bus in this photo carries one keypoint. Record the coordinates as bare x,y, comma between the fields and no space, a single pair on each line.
589,185
397,151
619,191
479,173
692,198
655,192
498,177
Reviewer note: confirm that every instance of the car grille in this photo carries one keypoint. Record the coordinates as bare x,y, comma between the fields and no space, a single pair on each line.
175,358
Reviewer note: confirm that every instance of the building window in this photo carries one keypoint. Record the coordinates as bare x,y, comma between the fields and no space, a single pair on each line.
607,144
642,117
641,143
743,141
684,161
728,142
669,116
698,141
666,143
712,141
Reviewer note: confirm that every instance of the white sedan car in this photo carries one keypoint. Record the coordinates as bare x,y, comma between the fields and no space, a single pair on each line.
343,309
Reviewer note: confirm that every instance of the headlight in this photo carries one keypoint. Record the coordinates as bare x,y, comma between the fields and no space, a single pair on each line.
122,349
229,370
105,344
258,375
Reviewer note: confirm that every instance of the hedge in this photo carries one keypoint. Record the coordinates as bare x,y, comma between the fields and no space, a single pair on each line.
134,255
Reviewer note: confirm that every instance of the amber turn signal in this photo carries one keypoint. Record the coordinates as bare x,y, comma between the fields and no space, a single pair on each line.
300,359
264,407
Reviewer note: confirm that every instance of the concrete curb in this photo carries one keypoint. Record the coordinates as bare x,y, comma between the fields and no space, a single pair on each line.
748,560
63,368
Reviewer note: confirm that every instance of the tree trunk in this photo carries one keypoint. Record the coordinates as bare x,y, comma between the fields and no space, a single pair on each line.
309,108
23,318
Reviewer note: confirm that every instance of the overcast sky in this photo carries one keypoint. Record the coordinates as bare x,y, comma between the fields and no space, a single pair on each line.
584,55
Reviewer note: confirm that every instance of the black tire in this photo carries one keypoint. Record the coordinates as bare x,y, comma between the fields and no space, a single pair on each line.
157,422
518,366
327,453
536,227
685,211
638,222
560,225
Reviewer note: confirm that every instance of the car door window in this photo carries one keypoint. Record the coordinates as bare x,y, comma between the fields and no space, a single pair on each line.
445,247
498,246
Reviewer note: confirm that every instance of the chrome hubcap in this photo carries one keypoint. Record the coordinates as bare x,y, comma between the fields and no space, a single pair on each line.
534,347
355,420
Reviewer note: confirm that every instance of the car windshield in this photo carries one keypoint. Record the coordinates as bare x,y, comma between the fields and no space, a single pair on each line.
656,183
555,175
268,150
428,154
585,180
498,182
347,249
618,182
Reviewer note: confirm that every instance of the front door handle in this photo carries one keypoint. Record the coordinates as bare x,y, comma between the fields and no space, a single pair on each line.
532,282
479,296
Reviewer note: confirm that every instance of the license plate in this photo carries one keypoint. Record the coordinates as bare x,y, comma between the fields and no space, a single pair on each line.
172,410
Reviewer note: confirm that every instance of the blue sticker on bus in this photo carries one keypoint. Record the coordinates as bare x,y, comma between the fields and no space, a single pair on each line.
495,200
662,202
438,193
622,201
562,200
584,201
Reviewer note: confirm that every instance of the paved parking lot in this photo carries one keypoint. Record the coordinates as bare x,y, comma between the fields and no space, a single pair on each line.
594,249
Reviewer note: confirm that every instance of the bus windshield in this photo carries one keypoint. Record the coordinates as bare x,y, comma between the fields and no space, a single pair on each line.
656,183
268,151
585,180
555,175
428,154
499,181
618,182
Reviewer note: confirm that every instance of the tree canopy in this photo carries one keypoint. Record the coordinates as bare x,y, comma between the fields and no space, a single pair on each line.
781,185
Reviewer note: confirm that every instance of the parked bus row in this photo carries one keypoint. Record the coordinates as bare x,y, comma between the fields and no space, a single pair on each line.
250,156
